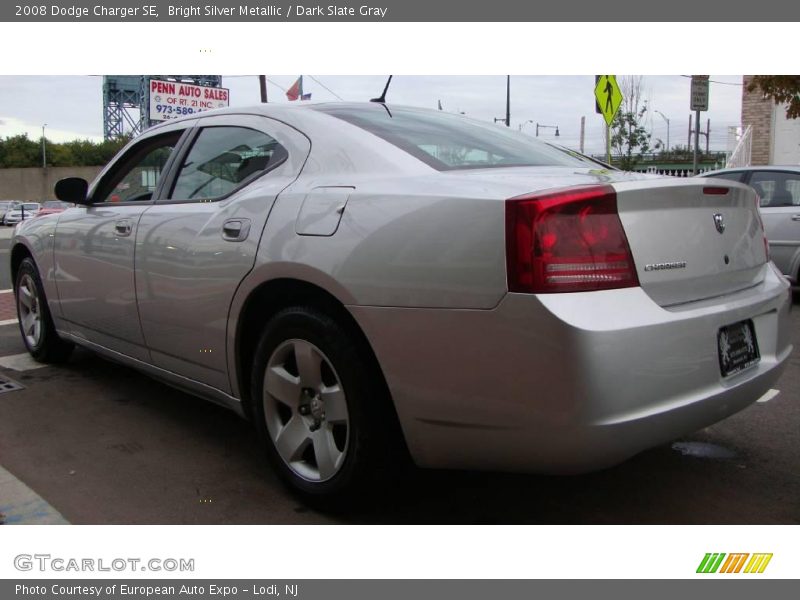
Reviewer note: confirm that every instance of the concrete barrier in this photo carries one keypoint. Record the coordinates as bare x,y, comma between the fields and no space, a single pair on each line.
35,184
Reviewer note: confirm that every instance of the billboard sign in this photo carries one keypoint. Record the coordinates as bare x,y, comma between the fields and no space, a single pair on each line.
173,99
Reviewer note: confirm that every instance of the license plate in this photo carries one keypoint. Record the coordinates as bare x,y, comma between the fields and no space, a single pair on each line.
738,347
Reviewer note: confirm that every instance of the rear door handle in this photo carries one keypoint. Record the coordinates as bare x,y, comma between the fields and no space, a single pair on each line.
235,230
795,217
123,227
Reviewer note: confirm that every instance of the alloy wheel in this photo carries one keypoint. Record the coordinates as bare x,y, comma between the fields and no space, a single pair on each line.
306,410
28,308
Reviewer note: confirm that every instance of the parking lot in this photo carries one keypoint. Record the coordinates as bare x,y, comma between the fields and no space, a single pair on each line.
100,443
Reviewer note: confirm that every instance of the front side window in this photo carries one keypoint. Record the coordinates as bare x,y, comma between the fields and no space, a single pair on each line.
139,171
445,141
223,159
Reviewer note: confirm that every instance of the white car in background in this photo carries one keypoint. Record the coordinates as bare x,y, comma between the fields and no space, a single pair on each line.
26,210
6,206
778,189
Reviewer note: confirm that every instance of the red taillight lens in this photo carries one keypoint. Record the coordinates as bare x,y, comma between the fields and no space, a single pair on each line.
567,240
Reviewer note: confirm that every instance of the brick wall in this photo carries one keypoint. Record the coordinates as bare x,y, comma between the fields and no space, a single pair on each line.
757,111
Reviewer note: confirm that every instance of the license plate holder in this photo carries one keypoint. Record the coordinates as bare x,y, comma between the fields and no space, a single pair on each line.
737,347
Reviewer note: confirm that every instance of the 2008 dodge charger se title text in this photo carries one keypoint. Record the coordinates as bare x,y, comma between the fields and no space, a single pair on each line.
356,278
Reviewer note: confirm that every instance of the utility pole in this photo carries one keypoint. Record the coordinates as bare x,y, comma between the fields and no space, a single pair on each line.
44,148
583,131
696,141
698,102
508,100
663,116
262,81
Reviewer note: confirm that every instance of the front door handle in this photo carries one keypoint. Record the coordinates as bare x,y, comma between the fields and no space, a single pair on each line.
795,217
123,227
235,230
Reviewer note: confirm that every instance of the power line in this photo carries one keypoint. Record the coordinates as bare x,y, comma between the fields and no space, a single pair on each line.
327,88
720,82
283,89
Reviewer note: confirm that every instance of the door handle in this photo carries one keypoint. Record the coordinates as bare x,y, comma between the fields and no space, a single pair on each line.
795,217
123,227
235,230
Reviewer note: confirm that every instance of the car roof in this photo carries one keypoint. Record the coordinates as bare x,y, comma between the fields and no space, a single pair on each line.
793,168
289,111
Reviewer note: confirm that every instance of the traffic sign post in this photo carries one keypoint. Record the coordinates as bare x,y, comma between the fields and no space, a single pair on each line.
608,98
698,102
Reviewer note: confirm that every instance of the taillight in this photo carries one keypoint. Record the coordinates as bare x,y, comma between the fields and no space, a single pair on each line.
567,240
763,229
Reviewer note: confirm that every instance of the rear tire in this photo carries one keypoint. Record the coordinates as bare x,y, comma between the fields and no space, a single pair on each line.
318,407
35,323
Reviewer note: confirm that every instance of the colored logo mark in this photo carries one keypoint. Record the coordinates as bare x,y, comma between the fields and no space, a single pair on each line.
734,563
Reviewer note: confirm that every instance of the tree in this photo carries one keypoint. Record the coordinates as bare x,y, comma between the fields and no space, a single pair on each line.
781,89
20,151
629,138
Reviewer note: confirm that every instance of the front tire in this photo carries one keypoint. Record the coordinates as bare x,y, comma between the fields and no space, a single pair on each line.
316,402
35,323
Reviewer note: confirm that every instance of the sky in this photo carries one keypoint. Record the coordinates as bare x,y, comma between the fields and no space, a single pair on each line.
71,106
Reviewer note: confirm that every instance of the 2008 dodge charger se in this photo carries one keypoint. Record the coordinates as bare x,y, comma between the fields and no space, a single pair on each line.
360,277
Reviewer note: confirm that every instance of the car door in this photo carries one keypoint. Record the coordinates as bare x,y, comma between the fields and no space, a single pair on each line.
780,210
94,246
196,244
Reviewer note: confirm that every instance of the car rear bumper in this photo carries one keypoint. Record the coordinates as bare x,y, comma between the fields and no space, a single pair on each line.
571,382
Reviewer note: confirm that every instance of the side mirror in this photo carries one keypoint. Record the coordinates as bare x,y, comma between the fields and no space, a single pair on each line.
73,190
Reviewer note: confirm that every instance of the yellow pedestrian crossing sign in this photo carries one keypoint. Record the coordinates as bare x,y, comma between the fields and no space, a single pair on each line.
608,96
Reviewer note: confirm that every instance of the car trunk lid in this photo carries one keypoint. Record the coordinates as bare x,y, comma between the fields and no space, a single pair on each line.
691,239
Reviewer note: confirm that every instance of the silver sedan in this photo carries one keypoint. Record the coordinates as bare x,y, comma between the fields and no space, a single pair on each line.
778,188
366,282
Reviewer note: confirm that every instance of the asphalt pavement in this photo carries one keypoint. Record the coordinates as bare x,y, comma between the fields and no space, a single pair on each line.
95,442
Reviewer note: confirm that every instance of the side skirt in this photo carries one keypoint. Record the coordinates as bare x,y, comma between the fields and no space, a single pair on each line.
184,384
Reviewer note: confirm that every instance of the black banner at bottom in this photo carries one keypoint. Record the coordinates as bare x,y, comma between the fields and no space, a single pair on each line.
733,588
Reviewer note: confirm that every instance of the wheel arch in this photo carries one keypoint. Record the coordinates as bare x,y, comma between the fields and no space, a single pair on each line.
19,253
270,297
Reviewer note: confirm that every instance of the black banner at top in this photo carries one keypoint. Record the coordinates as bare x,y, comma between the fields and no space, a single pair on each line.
397,11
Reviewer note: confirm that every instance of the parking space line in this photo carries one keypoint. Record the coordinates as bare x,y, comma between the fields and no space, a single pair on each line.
20,505
9,322
20,362
768,396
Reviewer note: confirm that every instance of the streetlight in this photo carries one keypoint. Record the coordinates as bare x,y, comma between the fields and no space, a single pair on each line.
521,125
44,149
667,120
538,127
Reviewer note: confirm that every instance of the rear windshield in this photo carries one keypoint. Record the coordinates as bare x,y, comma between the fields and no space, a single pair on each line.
446,141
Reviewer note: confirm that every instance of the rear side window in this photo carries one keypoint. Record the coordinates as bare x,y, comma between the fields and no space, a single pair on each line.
223,159
733,176
445,141
776,189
